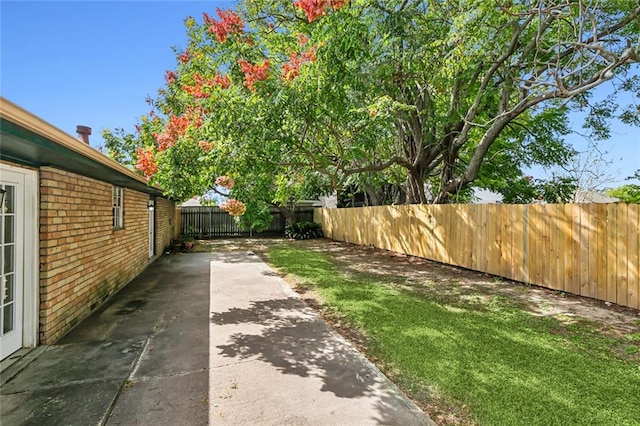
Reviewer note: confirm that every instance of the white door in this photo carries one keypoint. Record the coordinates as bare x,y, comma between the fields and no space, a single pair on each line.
11,267
151,227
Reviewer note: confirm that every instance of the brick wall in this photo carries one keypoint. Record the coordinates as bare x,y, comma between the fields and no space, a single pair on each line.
83,260
164,224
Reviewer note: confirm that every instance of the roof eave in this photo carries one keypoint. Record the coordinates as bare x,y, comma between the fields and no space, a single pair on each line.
22,118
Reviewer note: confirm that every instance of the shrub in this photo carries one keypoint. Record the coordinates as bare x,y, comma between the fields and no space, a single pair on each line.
303,231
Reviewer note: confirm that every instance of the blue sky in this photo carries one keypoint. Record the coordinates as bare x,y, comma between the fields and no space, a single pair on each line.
90,62
95,62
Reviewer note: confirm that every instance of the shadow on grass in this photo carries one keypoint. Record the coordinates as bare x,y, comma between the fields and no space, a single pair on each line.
504,363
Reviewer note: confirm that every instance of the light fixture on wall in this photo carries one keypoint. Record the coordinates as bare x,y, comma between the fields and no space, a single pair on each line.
150,206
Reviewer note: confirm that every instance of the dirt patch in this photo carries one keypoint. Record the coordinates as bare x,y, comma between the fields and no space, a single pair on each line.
444,281
258,245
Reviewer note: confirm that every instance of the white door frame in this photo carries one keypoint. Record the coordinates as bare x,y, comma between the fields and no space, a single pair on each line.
26,180
152,227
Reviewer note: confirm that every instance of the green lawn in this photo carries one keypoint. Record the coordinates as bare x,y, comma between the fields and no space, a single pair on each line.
504,365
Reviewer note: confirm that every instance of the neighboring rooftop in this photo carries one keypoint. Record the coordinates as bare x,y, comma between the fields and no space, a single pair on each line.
590,196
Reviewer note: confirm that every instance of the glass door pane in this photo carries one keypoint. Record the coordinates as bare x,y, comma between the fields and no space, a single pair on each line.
8,263
12,232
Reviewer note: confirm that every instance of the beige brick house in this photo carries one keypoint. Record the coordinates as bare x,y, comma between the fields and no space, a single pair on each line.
75,228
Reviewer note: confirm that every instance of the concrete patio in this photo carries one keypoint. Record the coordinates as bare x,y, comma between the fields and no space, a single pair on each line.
202,338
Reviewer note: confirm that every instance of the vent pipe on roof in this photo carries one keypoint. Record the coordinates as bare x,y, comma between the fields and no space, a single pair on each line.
83,133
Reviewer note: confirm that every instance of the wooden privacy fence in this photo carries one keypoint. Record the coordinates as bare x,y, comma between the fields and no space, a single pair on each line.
587,249
210,222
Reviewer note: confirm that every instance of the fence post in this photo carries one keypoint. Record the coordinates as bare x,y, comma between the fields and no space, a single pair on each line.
177,222
210,227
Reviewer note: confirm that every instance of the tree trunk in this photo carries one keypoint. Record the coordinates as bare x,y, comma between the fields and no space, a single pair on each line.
288,214
415,190
372,196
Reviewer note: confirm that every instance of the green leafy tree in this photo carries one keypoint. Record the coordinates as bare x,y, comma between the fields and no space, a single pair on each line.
297,99
628,193
444,85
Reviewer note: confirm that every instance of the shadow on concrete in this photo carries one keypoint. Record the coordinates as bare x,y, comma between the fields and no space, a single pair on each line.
270,273
296,341
261,312
236,257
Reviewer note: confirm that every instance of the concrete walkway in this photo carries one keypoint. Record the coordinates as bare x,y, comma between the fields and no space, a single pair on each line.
202,339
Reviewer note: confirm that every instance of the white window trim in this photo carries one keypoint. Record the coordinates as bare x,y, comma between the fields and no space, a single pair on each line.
117,201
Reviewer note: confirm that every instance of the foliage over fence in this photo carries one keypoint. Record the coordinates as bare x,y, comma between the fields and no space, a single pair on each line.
591,250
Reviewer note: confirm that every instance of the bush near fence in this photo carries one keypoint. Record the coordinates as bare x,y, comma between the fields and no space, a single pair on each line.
591,250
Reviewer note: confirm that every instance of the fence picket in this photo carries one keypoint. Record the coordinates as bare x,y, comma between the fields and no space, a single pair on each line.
574,259
622,241
633,265
589,247
516,228
612,228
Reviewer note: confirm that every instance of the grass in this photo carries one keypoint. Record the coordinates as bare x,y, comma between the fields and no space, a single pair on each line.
504,365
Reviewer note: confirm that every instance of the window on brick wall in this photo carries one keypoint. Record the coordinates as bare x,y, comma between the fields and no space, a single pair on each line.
118,207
